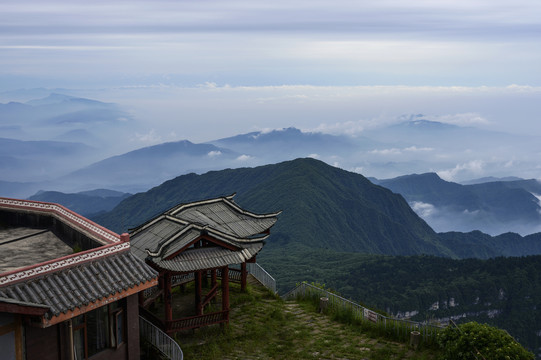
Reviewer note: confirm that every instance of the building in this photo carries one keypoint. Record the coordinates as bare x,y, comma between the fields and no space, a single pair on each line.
200,241
69,288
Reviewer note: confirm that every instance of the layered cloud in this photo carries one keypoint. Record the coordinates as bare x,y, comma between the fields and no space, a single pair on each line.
251,42
467,119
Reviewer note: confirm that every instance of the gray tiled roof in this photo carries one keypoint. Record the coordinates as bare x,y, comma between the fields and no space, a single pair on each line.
208,258
77,286
239,231
161,231
223,217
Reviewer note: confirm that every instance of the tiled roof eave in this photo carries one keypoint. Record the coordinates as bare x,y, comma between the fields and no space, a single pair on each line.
219,235
74,289
227,200
206,258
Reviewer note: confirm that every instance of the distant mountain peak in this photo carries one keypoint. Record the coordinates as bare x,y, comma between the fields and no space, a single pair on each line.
53,98
488,179
423,124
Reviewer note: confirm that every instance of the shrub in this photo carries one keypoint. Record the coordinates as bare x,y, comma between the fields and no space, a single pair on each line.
480,341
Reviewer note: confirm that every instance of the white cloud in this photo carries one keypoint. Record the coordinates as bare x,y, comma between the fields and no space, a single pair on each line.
464,119
418,149
524,88
244,158
509,164
348,127
313,156
422,209
392,151
214,153
472,167
268,130
538,197
149,138
208,85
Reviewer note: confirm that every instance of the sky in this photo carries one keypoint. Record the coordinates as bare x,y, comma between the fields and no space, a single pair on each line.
384,42
202,70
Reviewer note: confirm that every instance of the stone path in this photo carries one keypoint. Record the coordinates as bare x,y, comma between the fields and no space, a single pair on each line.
264,327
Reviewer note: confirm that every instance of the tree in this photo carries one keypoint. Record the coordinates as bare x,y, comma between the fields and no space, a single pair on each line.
480,341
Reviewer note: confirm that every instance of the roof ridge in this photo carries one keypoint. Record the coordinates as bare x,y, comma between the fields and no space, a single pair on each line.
226,199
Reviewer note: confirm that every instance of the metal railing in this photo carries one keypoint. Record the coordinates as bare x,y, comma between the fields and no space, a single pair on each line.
262,276
359,312
160,340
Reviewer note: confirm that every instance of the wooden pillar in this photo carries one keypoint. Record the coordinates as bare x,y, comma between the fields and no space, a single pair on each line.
167,297
161,282
205,277
225,290
243,276
198,293
71,351
132,327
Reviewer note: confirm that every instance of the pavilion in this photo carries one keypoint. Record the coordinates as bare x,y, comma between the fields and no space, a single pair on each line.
197,239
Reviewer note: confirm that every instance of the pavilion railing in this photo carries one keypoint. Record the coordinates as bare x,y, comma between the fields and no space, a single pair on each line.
234,275
194,322
401,328
160,340
181,279
262,276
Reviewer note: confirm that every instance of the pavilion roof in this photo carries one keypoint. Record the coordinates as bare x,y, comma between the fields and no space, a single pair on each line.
208,258
166,239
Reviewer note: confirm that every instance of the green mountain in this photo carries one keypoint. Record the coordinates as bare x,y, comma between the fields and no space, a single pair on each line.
323,207
492,207
328,208
476,244
504,200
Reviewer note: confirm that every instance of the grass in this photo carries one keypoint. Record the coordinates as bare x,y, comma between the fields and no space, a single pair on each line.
263,326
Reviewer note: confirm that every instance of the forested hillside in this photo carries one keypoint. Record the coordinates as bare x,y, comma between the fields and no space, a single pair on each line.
505,292
323,207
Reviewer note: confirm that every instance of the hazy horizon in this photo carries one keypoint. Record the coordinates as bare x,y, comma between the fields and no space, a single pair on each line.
208,70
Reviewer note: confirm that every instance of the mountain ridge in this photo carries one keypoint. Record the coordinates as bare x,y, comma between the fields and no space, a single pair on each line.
493,207
308,191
